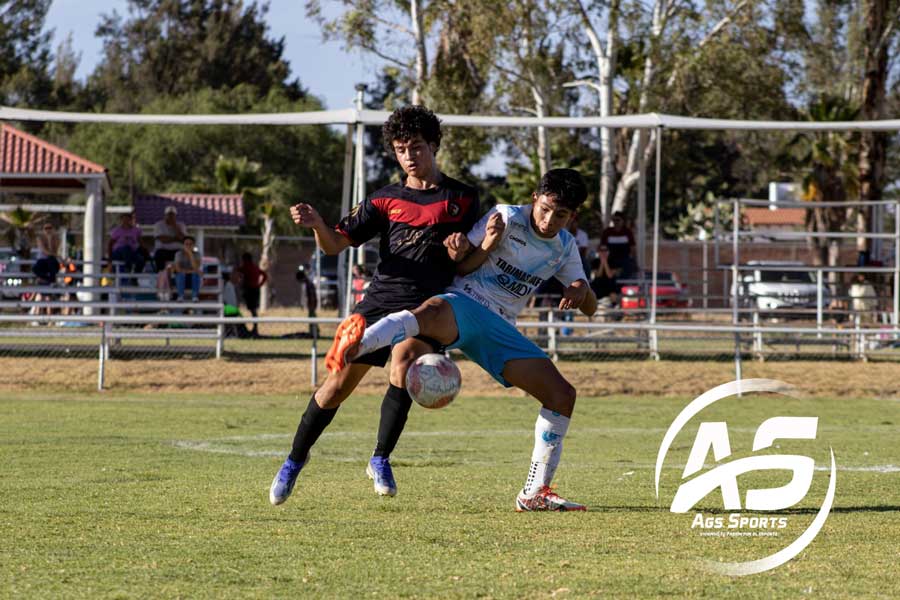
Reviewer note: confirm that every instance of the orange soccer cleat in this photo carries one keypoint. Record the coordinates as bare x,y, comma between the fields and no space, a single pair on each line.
348,335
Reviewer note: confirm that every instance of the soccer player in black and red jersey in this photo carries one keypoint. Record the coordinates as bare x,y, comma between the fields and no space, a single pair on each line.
415,219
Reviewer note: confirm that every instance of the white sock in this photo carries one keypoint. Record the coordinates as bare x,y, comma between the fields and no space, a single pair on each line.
388,331
549,431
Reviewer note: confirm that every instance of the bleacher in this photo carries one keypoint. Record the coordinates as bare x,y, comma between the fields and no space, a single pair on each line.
77,294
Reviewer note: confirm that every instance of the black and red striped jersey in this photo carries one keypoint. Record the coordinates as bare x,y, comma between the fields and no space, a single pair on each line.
413,262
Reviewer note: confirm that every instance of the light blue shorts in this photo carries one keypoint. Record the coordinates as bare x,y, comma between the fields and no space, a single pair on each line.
487,338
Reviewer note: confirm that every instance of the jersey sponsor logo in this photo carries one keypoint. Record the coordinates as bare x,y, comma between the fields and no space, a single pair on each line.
453,209
512,286
476,296
519,240
518,273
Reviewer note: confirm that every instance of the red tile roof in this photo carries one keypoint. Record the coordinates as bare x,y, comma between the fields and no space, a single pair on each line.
24,154
778,217
194,210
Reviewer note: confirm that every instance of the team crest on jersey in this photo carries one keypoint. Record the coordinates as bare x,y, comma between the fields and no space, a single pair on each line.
453,209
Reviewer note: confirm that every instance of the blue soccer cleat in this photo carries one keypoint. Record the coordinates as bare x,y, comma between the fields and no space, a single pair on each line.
284,481
379,471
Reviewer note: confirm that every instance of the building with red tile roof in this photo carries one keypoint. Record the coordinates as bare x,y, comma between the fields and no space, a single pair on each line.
29,164
207,211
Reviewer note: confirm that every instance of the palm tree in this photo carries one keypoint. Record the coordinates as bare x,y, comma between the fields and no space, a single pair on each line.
243,176
831,160
20,230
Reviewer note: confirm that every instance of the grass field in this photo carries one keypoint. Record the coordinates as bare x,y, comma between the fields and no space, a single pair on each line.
164,494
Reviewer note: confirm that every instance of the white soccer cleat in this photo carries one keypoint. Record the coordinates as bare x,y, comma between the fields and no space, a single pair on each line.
546,500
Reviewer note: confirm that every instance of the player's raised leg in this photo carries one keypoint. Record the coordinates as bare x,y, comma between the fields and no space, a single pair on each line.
433,318
319,413
540,378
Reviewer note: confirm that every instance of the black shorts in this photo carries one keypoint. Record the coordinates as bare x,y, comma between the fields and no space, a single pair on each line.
251,298
373,312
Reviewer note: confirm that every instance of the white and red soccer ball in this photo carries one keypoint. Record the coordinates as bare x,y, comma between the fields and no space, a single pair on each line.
433,380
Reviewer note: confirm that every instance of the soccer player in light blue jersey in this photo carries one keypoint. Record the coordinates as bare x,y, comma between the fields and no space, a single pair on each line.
501,262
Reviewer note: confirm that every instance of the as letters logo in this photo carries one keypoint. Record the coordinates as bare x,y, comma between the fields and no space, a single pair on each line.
713,438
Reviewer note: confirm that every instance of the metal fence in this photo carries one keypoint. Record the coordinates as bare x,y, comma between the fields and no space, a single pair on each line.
565,336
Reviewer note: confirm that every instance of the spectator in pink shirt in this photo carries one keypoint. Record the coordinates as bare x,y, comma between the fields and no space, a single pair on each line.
125,245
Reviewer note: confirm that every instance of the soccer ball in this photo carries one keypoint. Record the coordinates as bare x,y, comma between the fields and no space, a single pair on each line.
433,380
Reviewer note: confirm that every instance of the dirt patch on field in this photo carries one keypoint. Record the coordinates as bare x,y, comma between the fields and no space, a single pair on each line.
665,378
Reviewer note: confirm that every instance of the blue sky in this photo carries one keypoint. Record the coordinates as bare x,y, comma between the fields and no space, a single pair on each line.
323,68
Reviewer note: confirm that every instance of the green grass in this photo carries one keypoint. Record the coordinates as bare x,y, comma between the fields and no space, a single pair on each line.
166,496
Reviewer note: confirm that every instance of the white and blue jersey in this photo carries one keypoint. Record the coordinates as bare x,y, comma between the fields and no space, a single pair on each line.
486,302
520,263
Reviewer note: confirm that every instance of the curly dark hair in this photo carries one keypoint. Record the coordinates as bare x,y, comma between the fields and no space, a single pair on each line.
409,121
565,185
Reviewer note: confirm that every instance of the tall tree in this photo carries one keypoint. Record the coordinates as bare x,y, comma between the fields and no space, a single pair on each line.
830,159
171,159
395,32
604,49
171,47
242,176
880,27
24,53
532,66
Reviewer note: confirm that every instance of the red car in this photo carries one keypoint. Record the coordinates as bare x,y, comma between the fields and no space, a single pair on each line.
670,293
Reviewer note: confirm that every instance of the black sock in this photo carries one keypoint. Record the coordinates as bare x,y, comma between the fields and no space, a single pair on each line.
311,426
394,410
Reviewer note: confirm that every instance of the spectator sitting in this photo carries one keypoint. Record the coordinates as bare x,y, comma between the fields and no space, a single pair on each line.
125,245
619,239
253,279
169,236
47,265
863,298
604,282
188,265
230,301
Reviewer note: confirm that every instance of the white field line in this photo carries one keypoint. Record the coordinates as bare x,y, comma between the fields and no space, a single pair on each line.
223,446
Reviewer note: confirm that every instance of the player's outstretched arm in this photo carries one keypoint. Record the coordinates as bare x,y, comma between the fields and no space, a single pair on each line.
493,234
579,295
329,240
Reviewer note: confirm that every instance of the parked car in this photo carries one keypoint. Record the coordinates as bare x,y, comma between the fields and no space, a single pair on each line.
772,287
327,279
670,292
